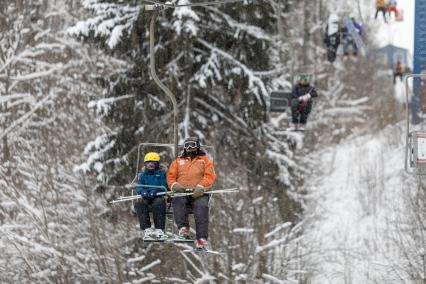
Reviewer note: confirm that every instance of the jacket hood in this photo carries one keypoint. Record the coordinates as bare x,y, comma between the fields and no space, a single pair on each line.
198,153
156,171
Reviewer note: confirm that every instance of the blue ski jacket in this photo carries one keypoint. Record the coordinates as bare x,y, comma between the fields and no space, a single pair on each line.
345,30
157,178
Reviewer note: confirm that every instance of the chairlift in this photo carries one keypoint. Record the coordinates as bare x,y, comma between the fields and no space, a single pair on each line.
400,17
166,151
155,7
415,149
280,101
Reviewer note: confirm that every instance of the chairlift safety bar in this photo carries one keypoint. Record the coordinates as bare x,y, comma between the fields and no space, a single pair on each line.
415,147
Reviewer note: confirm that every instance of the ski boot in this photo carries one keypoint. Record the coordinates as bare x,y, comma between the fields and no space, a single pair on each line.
148,234
184,233
160,235
201,245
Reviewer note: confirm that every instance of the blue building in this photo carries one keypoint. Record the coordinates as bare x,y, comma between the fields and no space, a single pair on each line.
390,54
419,65
420,37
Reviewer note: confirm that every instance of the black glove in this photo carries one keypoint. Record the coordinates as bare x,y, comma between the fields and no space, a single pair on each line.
198,191
178,188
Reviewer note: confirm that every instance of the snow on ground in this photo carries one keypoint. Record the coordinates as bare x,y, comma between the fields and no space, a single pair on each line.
398,33
355,195
400,91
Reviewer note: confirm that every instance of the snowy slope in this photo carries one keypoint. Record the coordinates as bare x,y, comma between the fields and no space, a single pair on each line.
354,203
397,33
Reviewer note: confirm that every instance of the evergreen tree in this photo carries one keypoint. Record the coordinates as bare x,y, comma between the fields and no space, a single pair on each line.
220,61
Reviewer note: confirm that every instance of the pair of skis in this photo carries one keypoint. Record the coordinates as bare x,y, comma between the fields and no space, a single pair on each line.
168,240
204,250
173,194
180,240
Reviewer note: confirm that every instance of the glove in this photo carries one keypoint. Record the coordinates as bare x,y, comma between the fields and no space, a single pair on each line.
198,191
152,193
305,98
145,194
177,188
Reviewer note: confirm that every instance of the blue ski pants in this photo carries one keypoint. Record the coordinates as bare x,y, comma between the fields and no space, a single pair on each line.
158,206
349,42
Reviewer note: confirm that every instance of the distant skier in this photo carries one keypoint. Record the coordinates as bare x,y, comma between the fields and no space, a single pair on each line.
332,37
381,7
398,71
392,8
152,175
348,40
301,102
192,170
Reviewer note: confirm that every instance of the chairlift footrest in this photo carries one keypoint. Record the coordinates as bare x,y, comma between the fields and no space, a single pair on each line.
177,240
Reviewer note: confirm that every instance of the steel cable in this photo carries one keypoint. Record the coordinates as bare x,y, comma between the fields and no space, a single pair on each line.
166,5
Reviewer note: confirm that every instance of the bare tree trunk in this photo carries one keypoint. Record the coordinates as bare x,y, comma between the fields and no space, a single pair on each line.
6,149
360,12
306,18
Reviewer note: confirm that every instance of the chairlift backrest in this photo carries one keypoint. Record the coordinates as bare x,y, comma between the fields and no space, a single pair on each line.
415,149
280,101
166,152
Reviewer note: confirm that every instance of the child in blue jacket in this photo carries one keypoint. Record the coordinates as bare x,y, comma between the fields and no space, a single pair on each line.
151,182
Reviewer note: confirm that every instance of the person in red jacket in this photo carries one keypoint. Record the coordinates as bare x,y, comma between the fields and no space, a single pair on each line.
192,170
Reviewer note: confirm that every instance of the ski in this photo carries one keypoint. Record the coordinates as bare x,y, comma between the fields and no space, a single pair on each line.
169,240
296,129
153,240
356,37
178,240
204,250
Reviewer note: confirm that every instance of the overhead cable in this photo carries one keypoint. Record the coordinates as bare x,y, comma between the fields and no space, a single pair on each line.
168,5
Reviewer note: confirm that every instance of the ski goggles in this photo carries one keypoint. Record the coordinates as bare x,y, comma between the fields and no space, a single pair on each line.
151,165
190,145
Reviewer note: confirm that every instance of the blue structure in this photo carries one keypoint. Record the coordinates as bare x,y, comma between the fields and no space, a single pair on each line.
419,55
390,54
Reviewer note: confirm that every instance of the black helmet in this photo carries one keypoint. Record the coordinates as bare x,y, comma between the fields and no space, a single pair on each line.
191,145
304,79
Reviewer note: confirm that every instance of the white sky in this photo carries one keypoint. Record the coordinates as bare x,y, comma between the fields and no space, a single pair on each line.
399,33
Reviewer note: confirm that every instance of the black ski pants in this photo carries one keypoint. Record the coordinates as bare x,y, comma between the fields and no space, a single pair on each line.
200,208
300,113
158,205
397,75
383,10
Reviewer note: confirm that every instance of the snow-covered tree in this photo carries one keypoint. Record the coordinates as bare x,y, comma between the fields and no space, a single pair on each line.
50,224
220,61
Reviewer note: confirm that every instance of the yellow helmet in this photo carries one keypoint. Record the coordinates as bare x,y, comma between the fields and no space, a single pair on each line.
151,157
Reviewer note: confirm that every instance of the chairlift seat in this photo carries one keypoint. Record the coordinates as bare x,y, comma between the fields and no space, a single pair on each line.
280,101
417,149
400,17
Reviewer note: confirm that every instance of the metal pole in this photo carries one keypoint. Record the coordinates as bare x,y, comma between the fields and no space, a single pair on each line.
407,111
160,84
407,144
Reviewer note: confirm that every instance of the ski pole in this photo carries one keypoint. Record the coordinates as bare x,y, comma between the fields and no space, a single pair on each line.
228,190
172,194
132,197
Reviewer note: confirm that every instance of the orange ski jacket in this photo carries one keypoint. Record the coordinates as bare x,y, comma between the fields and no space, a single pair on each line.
190,172
380,3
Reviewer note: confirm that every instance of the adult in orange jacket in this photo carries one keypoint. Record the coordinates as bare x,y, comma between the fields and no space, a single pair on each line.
193,170
381,7
398,72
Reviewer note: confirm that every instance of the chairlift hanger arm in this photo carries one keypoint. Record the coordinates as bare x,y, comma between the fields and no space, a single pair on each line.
197,4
